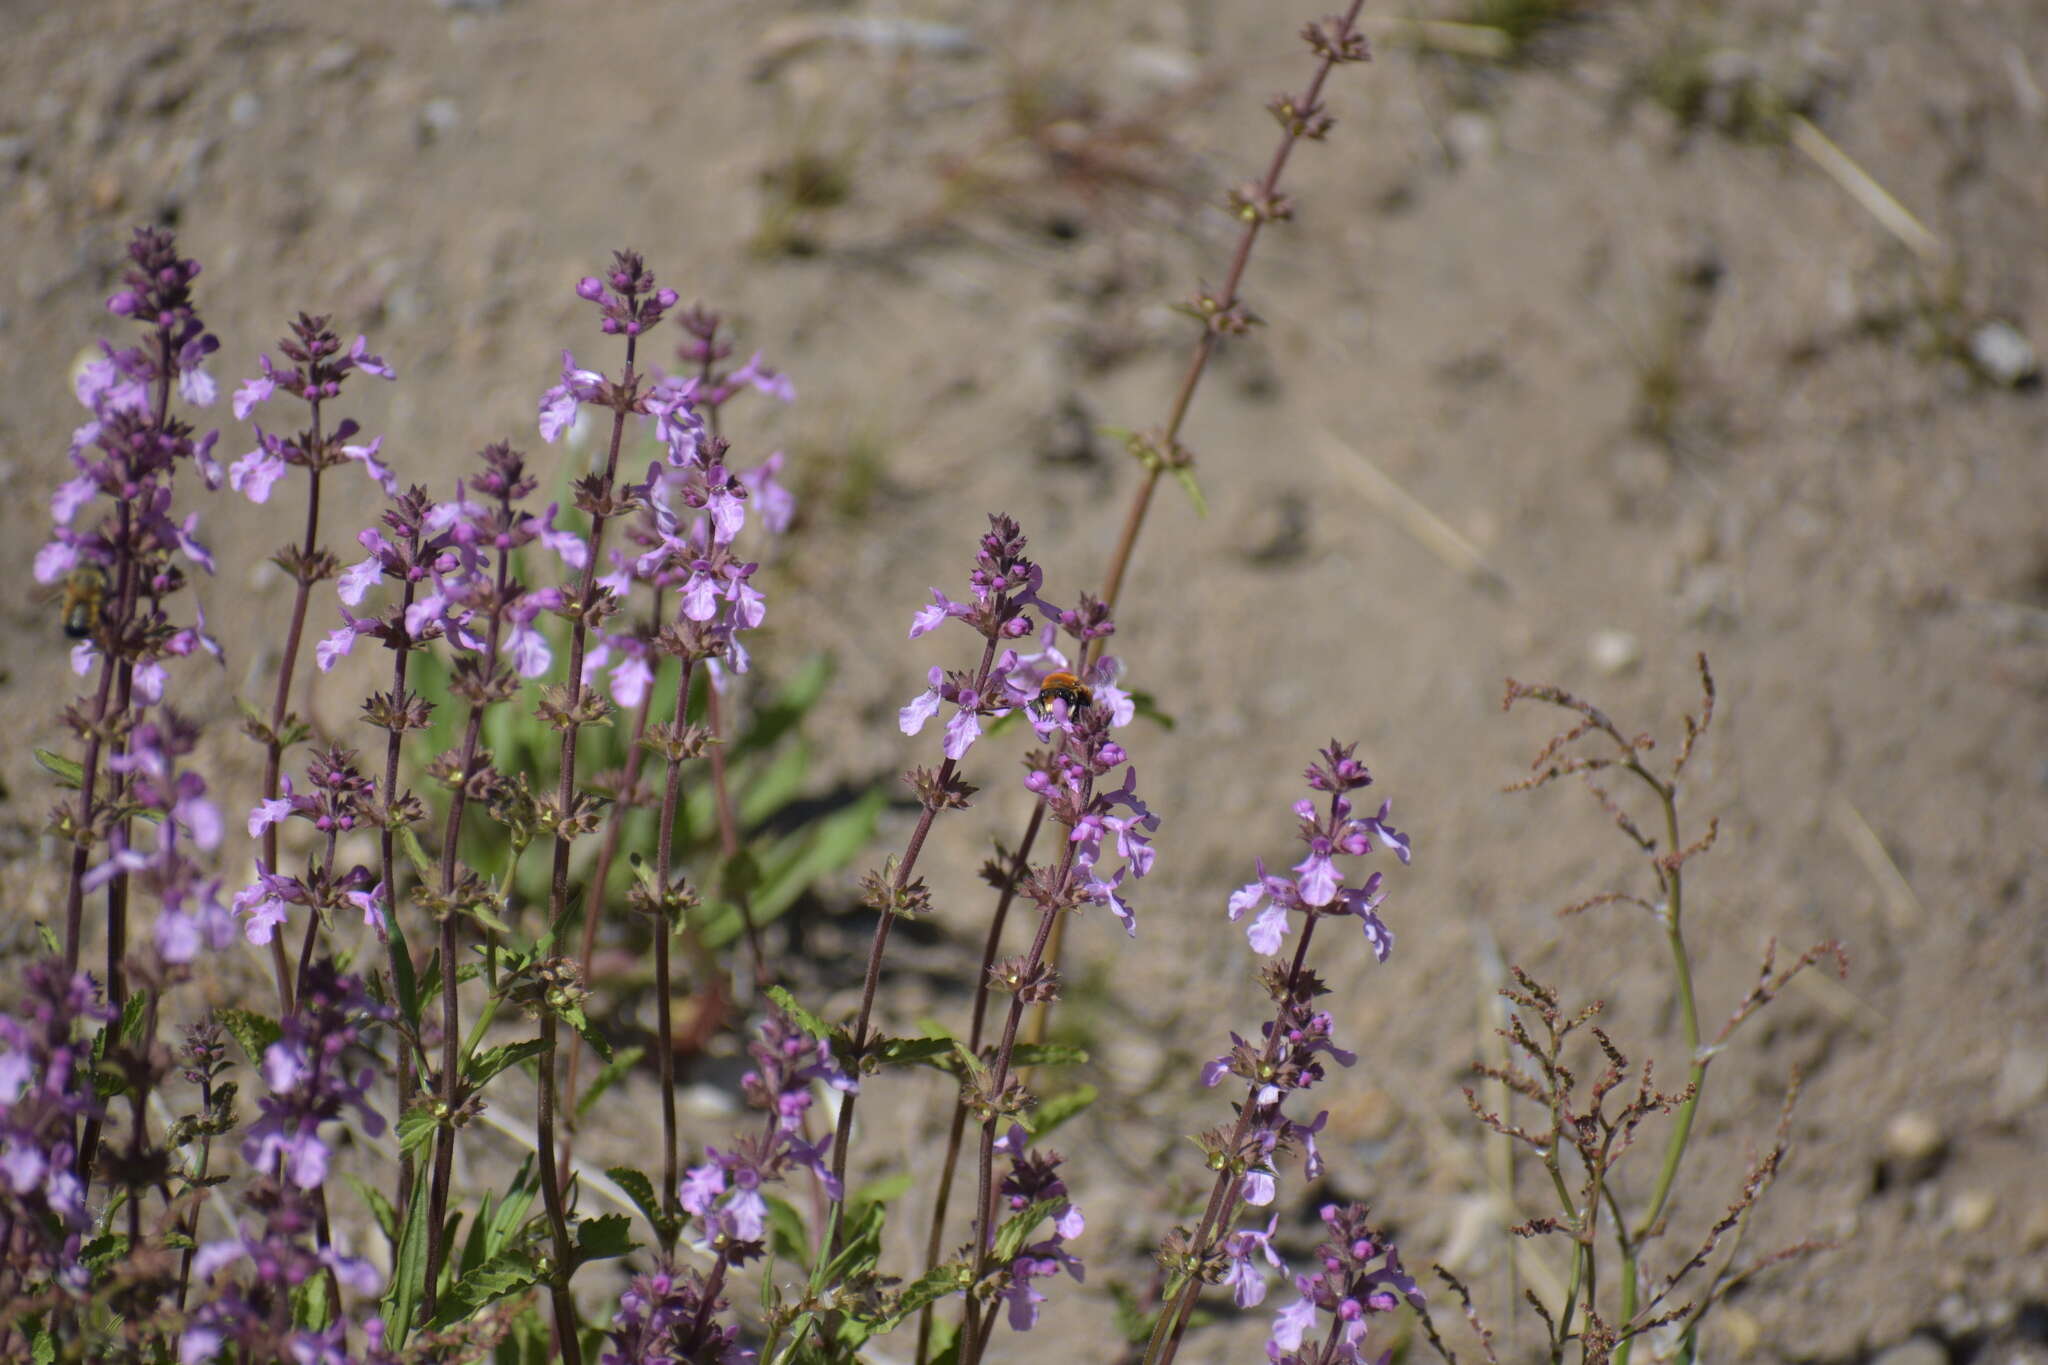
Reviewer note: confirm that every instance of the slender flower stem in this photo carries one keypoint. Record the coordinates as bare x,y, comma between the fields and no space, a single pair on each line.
977,1334
1224,1195
451,1015
871,981
387,863
671,799
956,1131
1225,304
273,756
593,895
579,639
568,1345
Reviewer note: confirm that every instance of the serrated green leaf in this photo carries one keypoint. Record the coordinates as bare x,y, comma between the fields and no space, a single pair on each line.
255,1032
1055,1111
600,1239
69,772
504,1275
1047,1054
380,1207
801,1017
415,1128
488,1063
42,1347
607,1076
104,1250
640,1190
49,938
1016,1230
941,1281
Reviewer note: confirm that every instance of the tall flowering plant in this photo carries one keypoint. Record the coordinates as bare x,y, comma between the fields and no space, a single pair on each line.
420,983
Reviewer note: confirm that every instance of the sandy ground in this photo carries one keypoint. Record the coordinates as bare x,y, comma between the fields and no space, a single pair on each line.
1674,387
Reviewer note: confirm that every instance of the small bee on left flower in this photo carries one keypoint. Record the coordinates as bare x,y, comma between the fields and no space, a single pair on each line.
85,597
1063,687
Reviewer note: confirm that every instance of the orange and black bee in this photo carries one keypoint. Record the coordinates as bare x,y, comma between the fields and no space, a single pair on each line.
85,596
1063,687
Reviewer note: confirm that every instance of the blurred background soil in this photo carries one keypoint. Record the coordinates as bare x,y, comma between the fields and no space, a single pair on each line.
1583,355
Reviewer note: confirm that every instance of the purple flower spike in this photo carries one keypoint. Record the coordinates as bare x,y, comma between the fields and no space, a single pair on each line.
1319,889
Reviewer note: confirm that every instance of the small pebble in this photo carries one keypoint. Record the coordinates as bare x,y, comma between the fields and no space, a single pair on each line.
1914,1350
1614,652
1972,1210
2003,355
1914,1137
2022,1079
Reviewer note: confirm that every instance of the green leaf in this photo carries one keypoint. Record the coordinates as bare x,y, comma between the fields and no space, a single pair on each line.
474,1253
600,1239
409,1273
1017,1229
787,1236
488,1063
506,1274
133,1011
941,1281
42,1347
589,1033
801,1017
70,773
1186,476
777,718
103,1251
311,1308
1047,1054
255,1032
49,938
883,1190
1058,1109
774,786
738,876
919,1052
607,1076
409,840
380,1207
639,1189
510,1216
416,1127
793,863
1147,705
403,981
860,1246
